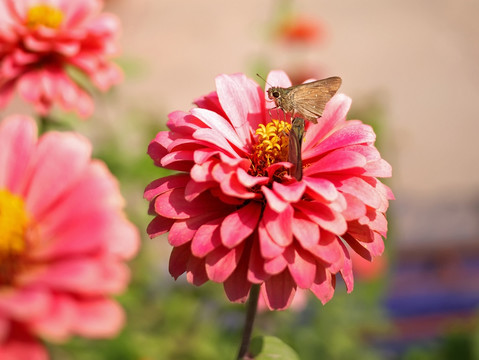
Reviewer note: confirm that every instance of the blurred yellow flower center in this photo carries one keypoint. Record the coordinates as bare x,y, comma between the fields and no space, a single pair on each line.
45,15
271,146
14,221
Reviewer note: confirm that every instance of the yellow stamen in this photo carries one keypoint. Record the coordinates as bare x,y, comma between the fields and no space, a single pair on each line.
271,146
14,222
45,15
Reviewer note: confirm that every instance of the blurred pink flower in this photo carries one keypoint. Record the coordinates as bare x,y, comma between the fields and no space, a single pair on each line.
300,30
369,270
234,214
63,240
40,40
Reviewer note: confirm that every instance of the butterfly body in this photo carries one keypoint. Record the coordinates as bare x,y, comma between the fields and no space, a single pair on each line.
294,147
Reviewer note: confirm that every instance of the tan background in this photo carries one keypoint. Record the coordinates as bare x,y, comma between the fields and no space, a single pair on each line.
420,58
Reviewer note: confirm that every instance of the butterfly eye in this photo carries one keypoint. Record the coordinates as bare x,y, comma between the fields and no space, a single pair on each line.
275,94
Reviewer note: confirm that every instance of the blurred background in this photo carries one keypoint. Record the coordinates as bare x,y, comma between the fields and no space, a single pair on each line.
411,68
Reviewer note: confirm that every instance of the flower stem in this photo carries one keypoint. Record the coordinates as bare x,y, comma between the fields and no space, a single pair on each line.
248,326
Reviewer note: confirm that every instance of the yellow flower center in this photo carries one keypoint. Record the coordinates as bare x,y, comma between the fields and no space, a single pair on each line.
271,146
45,15
14,222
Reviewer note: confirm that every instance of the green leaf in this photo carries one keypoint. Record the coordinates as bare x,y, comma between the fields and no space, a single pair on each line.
271,348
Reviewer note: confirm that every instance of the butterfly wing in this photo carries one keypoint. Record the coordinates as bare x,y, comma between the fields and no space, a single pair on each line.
309,100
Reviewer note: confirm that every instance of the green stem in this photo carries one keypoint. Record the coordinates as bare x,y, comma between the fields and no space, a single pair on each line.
251,307
43,124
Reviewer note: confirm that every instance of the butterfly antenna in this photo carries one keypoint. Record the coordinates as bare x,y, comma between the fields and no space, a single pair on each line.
262,78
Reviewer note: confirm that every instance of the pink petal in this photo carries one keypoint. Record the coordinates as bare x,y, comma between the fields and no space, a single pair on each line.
338,160
346,136
302,267
347,269
240,224
305,231
355,208
5,327
179,258
222,262
22,346
91,276
323,216
159,226
215,140
237,285
278,291
178,160
196,272
27,86
250,181
256,273
183,231
57,321
202,172
379,168
77,11
227,199
193,189
366,250
17,142
242,100
233,187
103,25
173,204
222,127
360,189
84,103
279,225
376,222
35,44
291,192
358,247
323,188
273,200
275,265
183,123
76,226
158,147
207,238
58,163
7,91
24,303
377,246
329,251
210,102
99,318
360,232
122,237
162,185
323,286
269,248
334,113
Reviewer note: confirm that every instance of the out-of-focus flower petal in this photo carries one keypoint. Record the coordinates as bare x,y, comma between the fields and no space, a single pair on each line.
66,226
37,49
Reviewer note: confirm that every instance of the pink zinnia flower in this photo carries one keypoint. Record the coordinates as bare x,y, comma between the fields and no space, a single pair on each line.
234,214
40,40
63,241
